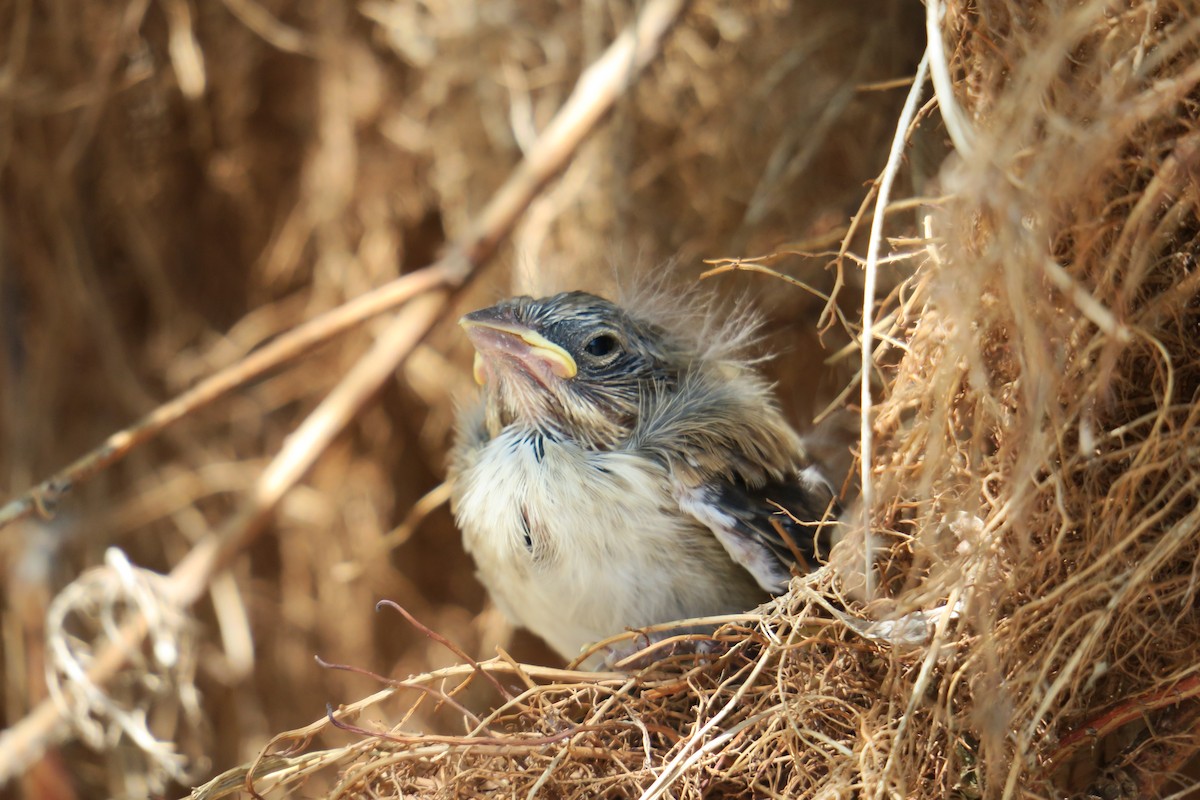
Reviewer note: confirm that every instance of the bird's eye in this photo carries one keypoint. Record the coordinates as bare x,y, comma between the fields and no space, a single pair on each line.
601,345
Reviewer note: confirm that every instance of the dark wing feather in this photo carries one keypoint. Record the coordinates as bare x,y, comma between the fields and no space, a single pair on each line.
768,529
734,461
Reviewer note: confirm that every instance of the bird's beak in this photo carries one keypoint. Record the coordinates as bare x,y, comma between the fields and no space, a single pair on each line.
492,334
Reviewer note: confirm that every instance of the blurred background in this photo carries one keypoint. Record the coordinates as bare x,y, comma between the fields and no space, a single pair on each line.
180,182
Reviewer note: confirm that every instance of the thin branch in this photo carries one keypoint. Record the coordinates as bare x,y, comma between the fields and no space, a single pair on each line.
44,498
1122,714
437,694
446,643
872,267
961,133
513,741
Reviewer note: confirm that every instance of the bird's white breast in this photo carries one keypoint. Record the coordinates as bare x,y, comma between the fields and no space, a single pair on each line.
577,545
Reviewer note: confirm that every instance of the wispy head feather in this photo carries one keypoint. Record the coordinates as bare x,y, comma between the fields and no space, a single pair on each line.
716,329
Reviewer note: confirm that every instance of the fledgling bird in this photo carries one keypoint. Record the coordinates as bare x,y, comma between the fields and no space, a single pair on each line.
627,467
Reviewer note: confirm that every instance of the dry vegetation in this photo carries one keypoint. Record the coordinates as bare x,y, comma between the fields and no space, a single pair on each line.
182,183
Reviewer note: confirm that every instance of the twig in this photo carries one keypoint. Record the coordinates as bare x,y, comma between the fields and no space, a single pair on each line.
748,265
429,502
959,129
446,643
437,694
1087,304
1125,712
594,95
46,495
870,273
513,741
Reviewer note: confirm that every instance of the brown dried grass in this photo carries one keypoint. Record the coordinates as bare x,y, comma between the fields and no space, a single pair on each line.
1035,433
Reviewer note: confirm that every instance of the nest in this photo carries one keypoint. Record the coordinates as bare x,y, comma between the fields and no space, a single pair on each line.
1029,625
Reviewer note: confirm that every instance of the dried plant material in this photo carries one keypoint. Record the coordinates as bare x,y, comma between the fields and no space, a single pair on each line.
183,182
154,701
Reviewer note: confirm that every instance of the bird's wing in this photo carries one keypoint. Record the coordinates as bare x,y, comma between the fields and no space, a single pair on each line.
738,468
767,529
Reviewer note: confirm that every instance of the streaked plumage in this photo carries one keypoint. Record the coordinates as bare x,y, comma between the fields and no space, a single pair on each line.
627,467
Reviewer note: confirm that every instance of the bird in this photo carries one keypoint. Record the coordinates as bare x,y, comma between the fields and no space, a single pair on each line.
628,465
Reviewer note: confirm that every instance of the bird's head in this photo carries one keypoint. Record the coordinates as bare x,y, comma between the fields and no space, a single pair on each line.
574,363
